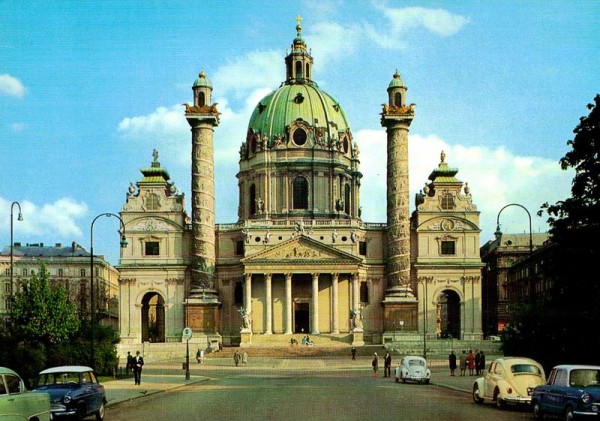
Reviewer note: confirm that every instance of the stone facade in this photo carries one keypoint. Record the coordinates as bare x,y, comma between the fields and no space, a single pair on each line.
300,259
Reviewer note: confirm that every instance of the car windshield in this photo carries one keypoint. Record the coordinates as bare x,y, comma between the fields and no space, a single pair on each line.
525,369
584,378
60,379
416,362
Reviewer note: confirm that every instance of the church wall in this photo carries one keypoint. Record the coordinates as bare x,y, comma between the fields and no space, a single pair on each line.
258,304
344,304
324,304
278,296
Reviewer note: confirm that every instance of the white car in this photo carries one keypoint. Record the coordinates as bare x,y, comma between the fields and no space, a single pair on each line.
413,368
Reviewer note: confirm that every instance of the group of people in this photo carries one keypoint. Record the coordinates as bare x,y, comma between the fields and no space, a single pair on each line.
240,357
387,364
475,363
135,364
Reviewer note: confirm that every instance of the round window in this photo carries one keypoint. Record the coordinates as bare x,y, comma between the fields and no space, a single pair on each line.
299,137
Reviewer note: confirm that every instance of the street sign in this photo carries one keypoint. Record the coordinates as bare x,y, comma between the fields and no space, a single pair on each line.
187,333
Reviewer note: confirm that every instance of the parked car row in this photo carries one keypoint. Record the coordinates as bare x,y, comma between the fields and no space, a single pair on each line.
571,391
67,391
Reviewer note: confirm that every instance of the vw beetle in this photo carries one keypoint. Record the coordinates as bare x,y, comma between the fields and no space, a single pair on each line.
413,368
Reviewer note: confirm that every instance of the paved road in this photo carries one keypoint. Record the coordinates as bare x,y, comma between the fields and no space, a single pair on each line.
303,389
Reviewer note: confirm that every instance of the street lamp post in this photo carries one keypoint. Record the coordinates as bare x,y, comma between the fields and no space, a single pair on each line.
123,245
19,218
498,233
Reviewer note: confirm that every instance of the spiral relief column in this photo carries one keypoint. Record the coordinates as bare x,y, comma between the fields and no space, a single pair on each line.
202,301
400,301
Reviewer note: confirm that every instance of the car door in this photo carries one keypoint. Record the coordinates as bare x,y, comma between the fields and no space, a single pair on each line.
556,395
22,404
491,379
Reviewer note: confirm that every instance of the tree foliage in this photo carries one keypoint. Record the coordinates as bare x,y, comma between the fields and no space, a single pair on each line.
41,312
563,328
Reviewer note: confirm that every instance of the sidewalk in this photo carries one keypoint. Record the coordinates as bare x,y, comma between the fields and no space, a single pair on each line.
162,376
156,378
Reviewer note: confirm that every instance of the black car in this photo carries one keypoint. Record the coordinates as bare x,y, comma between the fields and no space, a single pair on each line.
74,391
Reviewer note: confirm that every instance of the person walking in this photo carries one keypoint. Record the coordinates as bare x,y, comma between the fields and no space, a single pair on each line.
375,364
353,351
236,357
138,363
244,358
463,363
198,355
477,362
387,365
481,363
452,362
129,365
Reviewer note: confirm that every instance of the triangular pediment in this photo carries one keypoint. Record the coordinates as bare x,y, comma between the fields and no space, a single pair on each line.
300,250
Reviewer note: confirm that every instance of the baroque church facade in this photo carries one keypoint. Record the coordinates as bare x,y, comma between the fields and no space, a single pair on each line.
299,259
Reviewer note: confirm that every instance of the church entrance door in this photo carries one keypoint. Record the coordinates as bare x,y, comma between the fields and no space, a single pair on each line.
153,318
301,317
448,318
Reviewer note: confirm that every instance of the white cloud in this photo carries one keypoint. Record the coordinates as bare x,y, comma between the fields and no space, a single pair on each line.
58,220
18,127
496,177
438,21
11,86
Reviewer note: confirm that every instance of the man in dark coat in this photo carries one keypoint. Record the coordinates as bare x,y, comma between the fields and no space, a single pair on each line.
129,365
138,363
452,362
387,365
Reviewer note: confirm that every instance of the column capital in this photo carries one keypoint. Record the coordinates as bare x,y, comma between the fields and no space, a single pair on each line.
267,275
288,276
315,275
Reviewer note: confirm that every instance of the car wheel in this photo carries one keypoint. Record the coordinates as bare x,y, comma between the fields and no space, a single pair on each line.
81,411
537,411
476,394
569,416
427,381
100,413
396,379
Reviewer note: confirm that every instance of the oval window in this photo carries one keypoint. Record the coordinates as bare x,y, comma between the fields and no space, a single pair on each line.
299,137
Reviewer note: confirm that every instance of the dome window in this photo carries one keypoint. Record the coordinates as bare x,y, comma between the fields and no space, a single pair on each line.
298,70
252,199
300,189
201,99
299,99
346,146
299,137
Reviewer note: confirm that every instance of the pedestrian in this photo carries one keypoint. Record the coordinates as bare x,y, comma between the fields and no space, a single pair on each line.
387,365
236,357
481,363
201,356
452,362
244,358
375,364
129,365
138,363
353,351
477,363
463,363
198,355
471,362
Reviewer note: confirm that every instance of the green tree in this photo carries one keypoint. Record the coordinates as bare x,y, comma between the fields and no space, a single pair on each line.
42,313
563,328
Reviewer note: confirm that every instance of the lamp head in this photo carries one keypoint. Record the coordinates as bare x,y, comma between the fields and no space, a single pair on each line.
498,233
123,242
20,217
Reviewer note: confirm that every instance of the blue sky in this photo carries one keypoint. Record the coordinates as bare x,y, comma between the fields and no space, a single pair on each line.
88,89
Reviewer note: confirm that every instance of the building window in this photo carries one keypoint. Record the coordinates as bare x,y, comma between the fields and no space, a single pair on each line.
239,247
201,99
298,70
364,293
347,199
61,272
252,199
398,99
152,202
362,248
152,248
238,294
447,201
24,271
300,189
7,271
299,137
448,248
82,272
7,287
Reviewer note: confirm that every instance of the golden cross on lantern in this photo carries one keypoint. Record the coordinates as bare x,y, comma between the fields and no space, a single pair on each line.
298,19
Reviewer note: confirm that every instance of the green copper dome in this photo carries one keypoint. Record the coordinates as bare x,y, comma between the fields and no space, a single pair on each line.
292,102
202,81
397,82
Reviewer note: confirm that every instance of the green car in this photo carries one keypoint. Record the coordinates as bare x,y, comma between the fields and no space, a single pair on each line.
17,404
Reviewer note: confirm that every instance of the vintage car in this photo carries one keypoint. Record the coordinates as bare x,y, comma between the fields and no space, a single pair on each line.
572,391
413,368
509,380
18,404
74,391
